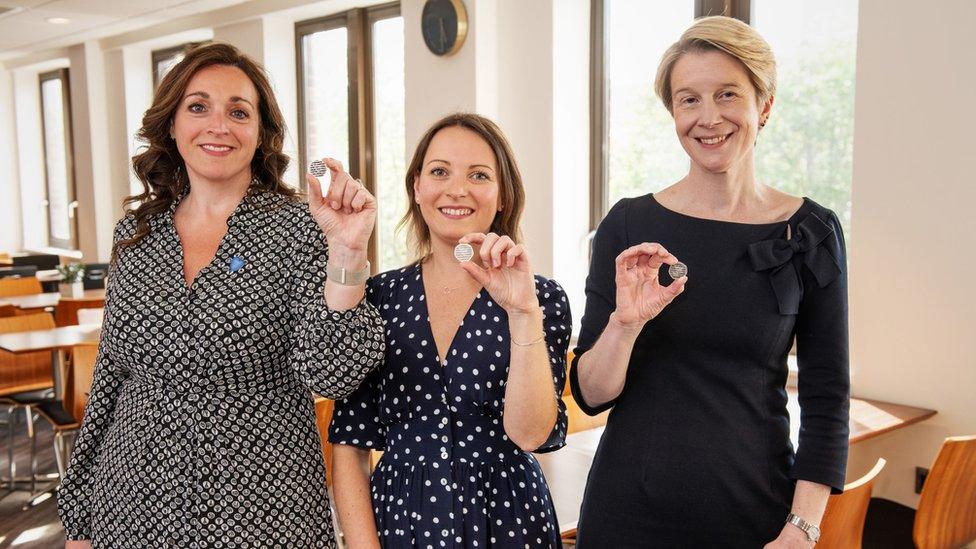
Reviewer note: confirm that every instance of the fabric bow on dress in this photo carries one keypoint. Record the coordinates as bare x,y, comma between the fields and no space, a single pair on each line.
776,256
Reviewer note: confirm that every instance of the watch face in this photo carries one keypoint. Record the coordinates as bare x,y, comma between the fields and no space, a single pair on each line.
439,24
814,534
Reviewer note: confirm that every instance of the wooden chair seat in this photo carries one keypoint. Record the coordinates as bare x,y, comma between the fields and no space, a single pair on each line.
19,286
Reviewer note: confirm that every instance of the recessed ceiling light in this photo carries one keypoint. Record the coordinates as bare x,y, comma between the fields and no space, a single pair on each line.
58,20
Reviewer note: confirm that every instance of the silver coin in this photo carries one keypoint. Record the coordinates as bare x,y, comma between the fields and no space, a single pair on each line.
678,270
463,252
317,168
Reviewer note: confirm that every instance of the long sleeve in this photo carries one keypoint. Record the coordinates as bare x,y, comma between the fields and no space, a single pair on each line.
601,291
558,326
74,503
332,351
824,380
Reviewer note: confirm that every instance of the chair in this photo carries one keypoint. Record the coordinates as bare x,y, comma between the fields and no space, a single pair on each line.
66,417
66,313
578,419
323,417
10,287
7,310
25,382
43,262
18,272
946,515
95,274
842,525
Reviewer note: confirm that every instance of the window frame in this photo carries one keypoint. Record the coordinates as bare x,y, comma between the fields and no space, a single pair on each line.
166,53
599,168
358,23
71,243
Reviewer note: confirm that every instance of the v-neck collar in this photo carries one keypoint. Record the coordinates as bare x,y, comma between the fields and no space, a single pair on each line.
442,360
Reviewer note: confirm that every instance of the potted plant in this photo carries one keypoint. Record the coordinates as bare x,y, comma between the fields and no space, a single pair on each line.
71,280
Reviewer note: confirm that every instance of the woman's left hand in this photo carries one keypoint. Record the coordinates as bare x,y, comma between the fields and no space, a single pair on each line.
790,538
504,271
346,212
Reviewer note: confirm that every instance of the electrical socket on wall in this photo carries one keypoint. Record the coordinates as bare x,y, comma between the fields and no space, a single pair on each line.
921,473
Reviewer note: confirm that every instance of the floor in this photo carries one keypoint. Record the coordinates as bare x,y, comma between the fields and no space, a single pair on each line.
37,527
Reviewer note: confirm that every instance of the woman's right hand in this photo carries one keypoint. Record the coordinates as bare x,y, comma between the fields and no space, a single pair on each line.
640,296
77,544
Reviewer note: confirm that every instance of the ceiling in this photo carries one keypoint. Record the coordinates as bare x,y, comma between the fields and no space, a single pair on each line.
24,28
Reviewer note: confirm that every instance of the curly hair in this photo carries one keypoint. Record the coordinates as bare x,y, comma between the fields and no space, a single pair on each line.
160,167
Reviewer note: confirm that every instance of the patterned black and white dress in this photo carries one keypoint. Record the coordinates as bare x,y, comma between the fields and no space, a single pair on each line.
200,427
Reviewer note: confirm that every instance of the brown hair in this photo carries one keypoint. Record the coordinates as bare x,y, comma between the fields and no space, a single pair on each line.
731,37
160,167
511,192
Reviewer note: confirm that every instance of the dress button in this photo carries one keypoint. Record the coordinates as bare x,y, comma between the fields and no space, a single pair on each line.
444,455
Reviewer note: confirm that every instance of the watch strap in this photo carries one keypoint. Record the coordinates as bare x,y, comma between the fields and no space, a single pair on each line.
811,530
346,277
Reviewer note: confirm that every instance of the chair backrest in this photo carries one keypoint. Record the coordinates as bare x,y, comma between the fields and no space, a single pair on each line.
91,316
66,313
323,417
80,377
842,526
27,270
95,274
19,286
946,515
43,262
29,371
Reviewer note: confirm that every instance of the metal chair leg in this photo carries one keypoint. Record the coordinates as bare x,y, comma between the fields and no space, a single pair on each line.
32,435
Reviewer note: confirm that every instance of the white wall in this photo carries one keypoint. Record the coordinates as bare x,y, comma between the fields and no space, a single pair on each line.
912,267
10,206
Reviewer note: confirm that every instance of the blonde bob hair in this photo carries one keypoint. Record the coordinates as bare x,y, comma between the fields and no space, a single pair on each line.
729,36
511,193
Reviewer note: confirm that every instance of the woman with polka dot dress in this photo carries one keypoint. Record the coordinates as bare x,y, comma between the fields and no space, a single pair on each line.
199,430
475,366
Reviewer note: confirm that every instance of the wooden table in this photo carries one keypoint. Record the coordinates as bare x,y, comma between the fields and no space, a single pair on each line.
43,301
566,470
54,340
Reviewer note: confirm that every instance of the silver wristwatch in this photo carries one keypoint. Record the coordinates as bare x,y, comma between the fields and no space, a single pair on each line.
812,530
341,275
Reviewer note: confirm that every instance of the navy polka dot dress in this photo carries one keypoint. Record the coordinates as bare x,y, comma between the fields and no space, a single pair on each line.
450,477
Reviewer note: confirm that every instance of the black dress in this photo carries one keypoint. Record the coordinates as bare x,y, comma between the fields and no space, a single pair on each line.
696,451
449,476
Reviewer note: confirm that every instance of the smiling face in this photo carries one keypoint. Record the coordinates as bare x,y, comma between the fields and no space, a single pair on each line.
217,125
716,110
457,189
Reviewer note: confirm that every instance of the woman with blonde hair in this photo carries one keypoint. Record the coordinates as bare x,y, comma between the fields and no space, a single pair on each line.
474,369
229,301
694,297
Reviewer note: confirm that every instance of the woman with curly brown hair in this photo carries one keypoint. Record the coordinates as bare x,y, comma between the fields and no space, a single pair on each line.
230,300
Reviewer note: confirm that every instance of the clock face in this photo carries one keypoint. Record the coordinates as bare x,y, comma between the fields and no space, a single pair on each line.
444,25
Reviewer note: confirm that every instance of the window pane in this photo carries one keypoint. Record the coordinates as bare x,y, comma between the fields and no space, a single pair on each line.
643,153
164,65
807,146
388,98
326,88
56,164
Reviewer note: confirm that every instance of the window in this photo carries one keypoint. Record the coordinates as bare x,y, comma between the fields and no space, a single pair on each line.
164,60
58,164
351,103
807,147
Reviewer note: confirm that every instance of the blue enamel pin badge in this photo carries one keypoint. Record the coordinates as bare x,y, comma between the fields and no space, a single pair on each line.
236,264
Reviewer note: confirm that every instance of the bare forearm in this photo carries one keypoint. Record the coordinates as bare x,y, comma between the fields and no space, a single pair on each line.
810,500
530,400
350,471
602,370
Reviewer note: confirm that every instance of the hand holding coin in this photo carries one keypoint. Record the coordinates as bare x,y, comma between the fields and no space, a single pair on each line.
504,271
345,210
640,296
